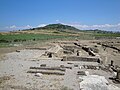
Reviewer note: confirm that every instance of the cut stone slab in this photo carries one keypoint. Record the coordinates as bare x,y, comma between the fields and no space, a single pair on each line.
95,82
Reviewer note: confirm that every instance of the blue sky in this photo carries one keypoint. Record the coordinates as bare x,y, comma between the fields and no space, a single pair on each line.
83,14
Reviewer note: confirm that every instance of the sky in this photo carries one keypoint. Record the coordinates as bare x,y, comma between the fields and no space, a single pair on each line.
82,14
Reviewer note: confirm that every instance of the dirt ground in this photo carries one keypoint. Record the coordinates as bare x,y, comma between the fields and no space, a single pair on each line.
14,66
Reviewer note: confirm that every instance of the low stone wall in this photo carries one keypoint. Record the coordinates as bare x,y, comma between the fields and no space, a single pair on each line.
49,68
77,58
47,72
40,48
113,47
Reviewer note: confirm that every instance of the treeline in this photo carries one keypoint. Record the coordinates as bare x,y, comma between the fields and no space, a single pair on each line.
100,31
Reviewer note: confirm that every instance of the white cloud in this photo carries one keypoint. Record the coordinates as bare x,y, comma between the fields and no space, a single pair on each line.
108,27
12,27
118,24
41,25
28,26
25,27
57,20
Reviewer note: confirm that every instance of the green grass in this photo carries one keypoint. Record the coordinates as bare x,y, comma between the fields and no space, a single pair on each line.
9,40
25,37
2,45
22,37
108,35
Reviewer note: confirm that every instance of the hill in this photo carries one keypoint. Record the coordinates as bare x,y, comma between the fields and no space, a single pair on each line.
67,28
58,27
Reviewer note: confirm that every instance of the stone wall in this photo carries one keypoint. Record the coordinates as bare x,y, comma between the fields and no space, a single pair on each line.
78,58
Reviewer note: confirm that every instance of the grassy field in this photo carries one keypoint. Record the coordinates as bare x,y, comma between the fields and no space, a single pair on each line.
106,35
31,37
25,37
7,40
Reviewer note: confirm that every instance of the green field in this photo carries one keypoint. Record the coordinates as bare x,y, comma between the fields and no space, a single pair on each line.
106,35
25,37
9,39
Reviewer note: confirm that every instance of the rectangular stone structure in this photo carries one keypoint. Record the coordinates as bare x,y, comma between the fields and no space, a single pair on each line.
78,58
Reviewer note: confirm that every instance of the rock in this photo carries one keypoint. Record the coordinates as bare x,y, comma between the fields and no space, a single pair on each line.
87,73
95,82
38,74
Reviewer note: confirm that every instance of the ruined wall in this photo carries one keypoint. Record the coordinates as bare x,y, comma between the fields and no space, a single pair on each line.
77,58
